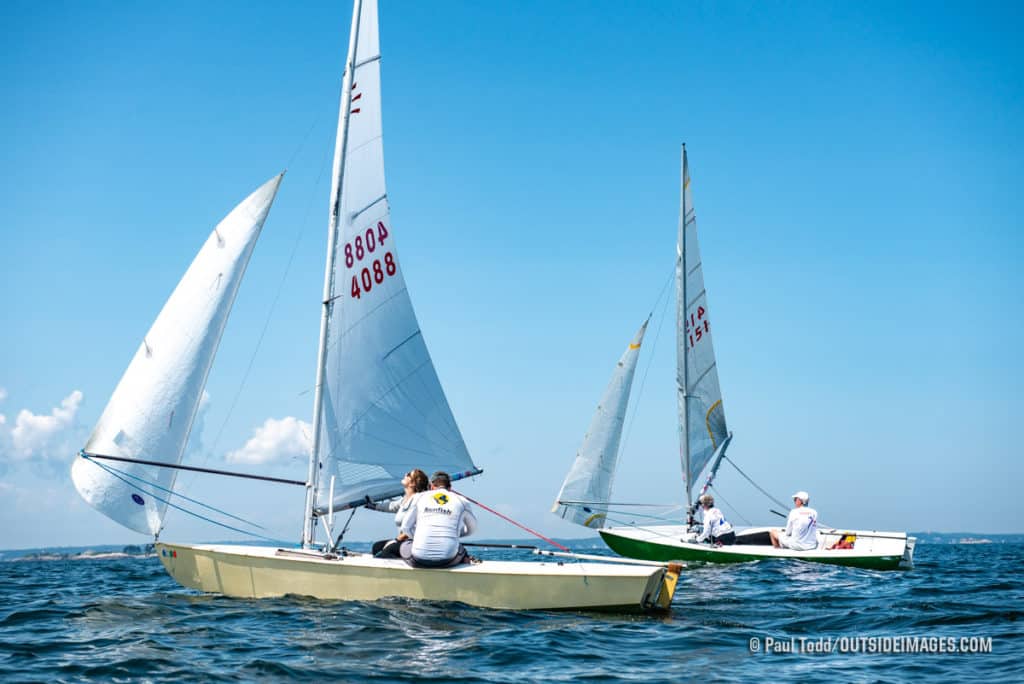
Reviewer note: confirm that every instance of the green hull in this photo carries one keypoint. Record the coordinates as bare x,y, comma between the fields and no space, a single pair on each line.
635,548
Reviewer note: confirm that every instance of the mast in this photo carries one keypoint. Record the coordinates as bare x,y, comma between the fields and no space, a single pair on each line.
682,381
309,518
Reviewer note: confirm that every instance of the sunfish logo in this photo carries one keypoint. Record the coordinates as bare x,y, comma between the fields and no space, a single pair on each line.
441,498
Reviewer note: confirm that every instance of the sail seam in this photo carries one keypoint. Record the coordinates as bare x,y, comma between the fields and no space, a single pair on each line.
362,145
704,374
375,402
400,384
369,313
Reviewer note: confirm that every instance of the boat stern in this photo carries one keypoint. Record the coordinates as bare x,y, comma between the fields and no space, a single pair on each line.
907,561
661,599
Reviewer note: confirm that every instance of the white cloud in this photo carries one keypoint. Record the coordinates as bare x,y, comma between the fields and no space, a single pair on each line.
3,394
275,440
43,436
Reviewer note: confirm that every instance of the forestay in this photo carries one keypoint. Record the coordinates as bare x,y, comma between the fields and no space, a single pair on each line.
383,409
588,486
701,401
150,414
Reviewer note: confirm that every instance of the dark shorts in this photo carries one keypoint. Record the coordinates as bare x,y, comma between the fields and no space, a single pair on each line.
727,539
406,553
386,548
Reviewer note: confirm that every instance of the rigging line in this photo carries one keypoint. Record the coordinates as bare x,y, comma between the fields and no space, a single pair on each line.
650,361
608,511
112,470
718,493
618,503
758,487
508,519
195,469
649,530
341,535
185,510
270,315
305,138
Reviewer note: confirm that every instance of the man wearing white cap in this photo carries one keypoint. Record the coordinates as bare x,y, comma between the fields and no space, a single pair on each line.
801,533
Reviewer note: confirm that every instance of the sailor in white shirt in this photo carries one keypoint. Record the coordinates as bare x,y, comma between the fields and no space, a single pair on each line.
717,530
436,522
801,533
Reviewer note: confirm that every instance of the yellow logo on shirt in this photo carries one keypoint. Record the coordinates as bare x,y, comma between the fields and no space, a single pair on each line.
441,498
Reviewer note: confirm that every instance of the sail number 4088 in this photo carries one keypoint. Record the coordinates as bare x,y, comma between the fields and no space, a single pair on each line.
373,273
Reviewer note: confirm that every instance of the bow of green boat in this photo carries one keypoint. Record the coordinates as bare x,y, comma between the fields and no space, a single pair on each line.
870,549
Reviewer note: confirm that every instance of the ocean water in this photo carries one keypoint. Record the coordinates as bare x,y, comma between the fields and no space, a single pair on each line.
122,618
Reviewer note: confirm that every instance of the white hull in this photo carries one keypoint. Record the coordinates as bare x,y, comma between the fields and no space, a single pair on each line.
871,548
264,572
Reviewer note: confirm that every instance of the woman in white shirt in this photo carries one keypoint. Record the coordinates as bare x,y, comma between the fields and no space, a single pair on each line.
414,482
717,530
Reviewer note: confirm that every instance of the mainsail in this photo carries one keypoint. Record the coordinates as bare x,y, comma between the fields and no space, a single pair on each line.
150,414
587,488
381,408
702,417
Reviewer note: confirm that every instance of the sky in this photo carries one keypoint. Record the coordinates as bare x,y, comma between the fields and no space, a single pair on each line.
855,171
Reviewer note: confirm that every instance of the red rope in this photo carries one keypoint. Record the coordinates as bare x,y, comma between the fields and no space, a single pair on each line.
505,517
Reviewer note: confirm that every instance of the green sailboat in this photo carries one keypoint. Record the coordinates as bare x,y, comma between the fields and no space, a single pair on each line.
585,497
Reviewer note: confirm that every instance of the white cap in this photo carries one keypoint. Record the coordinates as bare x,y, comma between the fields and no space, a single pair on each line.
803,496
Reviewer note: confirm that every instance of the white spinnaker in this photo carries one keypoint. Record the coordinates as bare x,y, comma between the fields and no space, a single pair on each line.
705,419
590,477
150,414
384,411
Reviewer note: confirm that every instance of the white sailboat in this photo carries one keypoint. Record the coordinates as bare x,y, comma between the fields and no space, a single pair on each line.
379,410
585,497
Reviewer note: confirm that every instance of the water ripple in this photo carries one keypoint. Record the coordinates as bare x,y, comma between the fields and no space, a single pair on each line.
123,619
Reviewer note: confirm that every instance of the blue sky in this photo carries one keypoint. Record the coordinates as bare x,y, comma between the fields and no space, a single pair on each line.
855,170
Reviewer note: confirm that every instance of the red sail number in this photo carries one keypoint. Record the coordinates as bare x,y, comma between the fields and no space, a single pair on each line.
364,280
697,326
365,243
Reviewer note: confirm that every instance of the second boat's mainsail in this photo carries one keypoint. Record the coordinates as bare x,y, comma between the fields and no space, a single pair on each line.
150,414
586,492
587,489
702,417
381,405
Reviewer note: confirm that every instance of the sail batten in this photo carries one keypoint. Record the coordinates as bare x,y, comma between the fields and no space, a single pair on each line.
592,473
151,412
382,405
